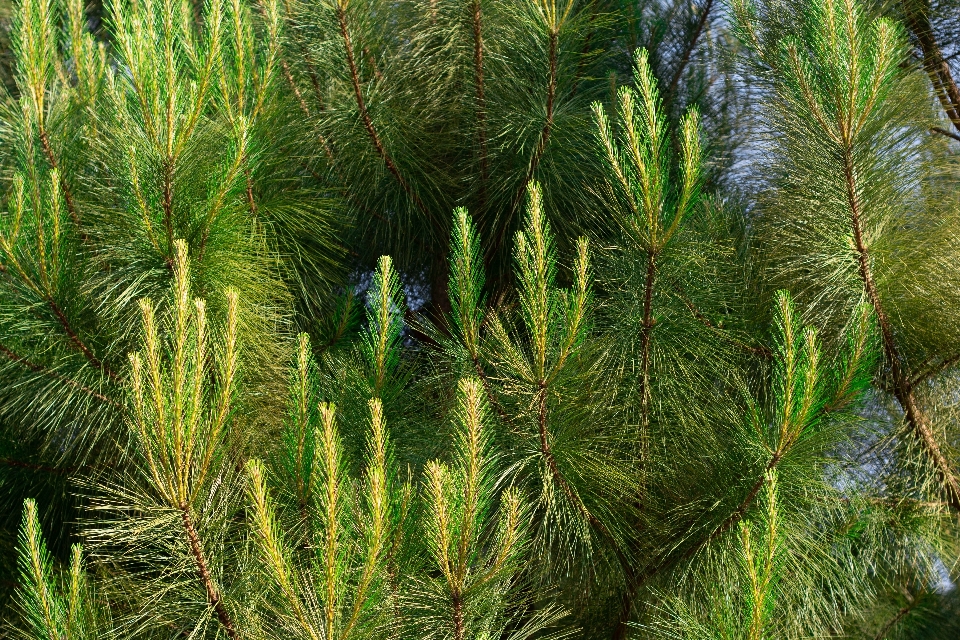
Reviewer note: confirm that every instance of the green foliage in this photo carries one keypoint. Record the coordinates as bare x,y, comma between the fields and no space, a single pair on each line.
53,606
682,363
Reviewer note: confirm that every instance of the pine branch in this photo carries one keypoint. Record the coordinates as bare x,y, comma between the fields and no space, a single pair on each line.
548,452
761,351
903,388
637,580
688,51
77,342
944,132
796,389
365,114
488,390
203,570
931,369
912,603
19,464
646,336
585,49
293,87
481,100
542,139
311,71
64,187
56,376
918,20
167,204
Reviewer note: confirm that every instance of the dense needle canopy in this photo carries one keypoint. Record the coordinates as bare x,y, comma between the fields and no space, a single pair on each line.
470,320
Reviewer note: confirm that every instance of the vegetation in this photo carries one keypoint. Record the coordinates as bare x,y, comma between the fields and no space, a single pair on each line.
461,319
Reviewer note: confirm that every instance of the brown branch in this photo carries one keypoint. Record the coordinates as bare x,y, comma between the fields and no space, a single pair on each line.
934,369
652,570
548,452
37,368
902,386
489,391
481,100
71,334
77,342
645,336
458,626
944,132
64,187
633,583
541,147
911,605
558,476
688,51
373,64
213,596
303,105
311,71
918,21
365,114
293,87
741,509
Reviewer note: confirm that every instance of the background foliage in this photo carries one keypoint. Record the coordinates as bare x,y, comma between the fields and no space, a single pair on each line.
471,319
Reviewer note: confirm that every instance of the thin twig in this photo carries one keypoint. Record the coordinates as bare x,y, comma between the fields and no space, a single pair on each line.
688,51
944,132
37,368
213,595
365,114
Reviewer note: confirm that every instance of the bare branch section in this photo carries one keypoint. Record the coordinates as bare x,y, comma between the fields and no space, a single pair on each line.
77,342
37,368
213,595
944,132
646,336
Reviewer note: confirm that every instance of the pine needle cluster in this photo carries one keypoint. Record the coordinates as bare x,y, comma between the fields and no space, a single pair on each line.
473,320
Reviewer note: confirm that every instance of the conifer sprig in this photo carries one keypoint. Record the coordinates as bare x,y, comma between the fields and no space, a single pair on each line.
54,609
342,591
182,442
844,79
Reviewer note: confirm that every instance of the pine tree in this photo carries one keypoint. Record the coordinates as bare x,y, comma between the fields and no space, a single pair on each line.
464,319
